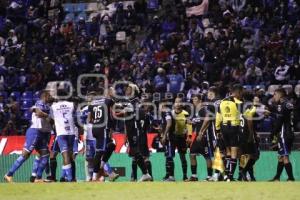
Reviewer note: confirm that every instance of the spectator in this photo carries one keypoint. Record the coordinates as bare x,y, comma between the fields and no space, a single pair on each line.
282,73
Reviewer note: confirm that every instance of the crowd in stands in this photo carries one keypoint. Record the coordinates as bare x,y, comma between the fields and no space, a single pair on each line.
255,43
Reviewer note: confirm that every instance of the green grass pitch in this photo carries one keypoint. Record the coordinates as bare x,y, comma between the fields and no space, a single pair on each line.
151,191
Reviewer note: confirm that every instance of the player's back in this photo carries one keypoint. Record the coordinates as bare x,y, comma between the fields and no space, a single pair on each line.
63,115
100,112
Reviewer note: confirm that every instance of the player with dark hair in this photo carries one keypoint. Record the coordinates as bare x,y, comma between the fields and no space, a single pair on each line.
228,121
126,109
99,115
37,137
283,132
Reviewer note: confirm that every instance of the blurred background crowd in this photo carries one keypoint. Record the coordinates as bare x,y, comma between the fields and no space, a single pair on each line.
156,44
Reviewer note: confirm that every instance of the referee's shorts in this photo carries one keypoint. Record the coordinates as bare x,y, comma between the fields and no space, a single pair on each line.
231,135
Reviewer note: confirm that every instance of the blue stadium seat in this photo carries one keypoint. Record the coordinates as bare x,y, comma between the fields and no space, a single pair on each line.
69,7
26,104
69,17
80,7
247,87
26,115
81,15
4,94
27,95
15,95
36,95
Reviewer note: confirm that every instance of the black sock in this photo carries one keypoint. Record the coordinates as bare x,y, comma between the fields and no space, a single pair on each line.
209,171
194,169
140,162
227,165
183,164
170,169
149,166
73,170
233,163
134,169
53,166
280,166
289,170
251,173
97,161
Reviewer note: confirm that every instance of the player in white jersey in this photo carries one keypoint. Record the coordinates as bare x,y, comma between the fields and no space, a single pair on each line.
36,138
62,112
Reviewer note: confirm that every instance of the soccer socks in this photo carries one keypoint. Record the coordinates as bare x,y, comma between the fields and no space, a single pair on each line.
194,170
140,162
35,166
43,163
133,169
53,166
149,166
183,164
289,170
17,164
107,168
233,163
280,166
209,171
227,165
67,170
73,164
170,167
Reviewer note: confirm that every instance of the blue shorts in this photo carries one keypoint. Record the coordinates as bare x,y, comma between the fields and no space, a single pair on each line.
66,142
90,149
35,140
55,147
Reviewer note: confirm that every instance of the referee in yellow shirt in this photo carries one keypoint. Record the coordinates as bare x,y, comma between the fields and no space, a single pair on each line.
180,136
228,123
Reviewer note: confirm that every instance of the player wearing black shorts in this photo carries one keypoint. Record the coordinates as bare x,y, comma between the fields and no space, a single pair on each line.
126,110
283,132
197,146
167,139
143,120
99,115
249,144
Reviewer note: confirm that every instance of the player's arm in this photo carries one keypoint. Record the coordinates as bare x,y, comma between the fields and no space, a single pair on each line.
249,113
218,122
38,112
165,134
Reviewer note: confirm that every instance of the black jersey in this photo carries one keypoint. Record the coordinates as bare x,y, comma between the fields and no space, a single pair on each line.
143,121
100,110
283,119
167,115
198,118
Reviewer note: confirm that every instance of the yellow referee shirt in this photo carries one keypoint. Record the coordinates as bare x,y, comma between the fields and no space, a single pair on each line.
180,122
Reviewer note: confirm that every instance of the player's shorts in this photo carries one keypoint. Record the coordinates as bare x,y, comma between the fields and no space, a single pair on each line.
35,140
75,147
102,139
180,143
66,142
231,135
141,146
55,146
205,147
90,149
284,146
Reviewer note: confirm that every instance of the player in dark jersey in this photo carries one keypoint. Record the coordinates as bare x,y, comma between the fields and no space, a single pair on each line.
197,146
99,115
167,139
144,120
284,132
249,146
126,110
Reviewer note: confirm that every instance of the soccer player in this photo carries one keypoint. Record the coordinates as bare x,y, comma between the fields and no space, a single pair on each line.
36,138
228,123
248,140
127,110
62,113
99,115
284,132
196,147
167,139
180,134
143,121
